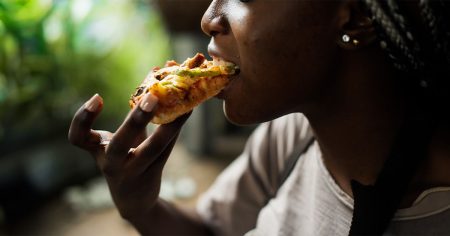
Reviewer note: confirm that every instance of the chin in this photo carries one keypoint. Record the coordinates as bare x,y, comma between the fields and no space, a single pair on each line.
241,115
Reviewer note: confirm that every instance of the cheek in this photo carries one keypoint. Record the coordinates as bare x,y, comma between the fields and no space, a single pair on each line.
277,83
260,97
282,71
269,84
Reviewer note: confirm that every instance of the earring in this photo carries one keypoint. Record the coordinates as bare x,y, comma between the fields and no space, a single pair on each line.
347,42
346,39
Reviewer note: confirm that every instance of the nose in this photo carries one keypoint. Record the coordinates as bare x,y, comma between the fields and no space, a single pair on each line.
214,20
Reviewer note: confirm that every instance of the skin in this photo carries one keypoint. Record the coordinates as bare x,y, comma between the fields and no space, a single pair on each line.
239,37
292,61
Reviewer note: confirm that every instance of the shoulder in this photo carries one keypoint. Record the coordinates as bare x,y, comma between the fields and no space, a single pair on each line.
292,128
288,132
246,185
272,142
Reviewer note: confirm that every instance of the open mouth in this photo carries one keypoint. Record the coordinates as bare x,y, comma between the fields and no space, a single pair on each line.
222,94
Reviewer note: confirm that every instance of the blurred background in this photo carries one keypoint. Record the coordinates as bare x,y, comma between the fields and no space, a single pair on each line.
54,55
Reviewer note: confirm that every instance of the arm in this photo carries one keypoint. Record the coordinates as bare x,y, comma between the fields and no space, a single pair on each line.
167,219
132,164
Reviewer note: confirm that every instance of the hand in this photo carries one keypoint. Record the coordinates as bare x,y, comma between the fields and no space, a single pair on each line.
131,162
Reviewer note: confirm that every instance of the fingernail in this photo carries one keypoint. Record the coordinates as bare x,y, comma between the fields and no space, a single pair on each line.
148,102
94,103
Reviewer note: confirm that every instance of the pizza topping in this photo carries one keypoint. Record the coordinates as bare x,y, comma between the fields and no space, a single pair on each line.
195,61
197,72
181,87
171,63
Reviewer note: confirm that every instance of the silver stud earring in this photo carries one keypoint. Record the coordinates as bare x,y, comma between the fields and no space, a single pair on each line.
346,39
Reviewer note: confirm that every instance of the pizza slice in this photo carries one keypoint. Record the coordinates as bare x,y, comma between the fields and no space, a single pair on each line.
180,88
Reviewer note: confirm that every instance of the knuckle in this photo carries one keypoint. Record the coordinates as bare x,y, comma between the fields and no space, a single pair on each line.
125,214
139,118
78,118
83,119
73,139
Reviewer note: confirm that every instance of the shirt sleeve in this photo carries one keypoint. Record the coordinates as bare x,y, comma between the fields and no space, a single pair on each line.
232,204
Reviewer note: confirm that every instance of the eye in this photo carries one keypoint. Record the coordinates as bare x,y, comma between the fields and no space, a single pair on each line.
245,0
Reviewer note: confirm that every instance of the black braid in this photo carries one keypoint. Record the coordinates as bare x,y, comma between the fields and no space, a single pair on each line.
375,205
407,33
434,16
393,40
426,60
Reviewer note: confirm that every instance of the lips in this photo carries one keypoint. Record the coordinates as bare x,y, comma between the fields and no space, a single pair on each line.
217,52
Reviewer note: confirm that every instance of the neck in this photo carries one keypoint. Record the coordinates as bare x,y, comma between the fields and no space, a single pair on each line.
357,124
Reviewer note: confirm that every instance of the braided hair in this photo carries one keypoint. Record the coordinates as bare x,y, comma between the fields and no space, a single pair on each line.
421,51
427,57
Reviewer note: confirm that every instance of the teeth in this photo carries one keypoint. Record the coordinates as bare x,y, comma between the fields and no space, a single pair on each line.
216,61
226,66
220,62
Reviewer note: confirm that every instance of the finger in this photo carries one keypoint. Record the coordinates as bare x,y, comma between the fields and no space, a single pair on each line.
161,141
139,162
155,167
131,129
161,161
80,132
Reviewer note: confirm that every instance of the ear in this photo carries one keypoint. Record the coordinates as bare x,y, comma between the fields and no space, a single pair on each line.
356,28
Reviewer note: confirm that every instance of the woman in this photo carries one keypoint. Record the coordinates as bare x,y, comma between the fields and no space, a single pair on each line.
370,79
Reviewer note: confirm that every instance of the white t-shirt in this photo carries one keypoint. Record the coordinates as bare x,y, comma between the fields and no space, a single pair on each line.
309,202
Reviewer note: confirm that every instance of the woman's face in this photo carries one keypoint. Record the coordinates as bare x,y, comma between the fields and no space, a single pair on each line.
284,48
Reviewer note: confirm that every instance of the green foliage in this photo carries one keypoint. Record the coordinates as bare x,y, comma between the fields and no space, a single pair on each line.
55,54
